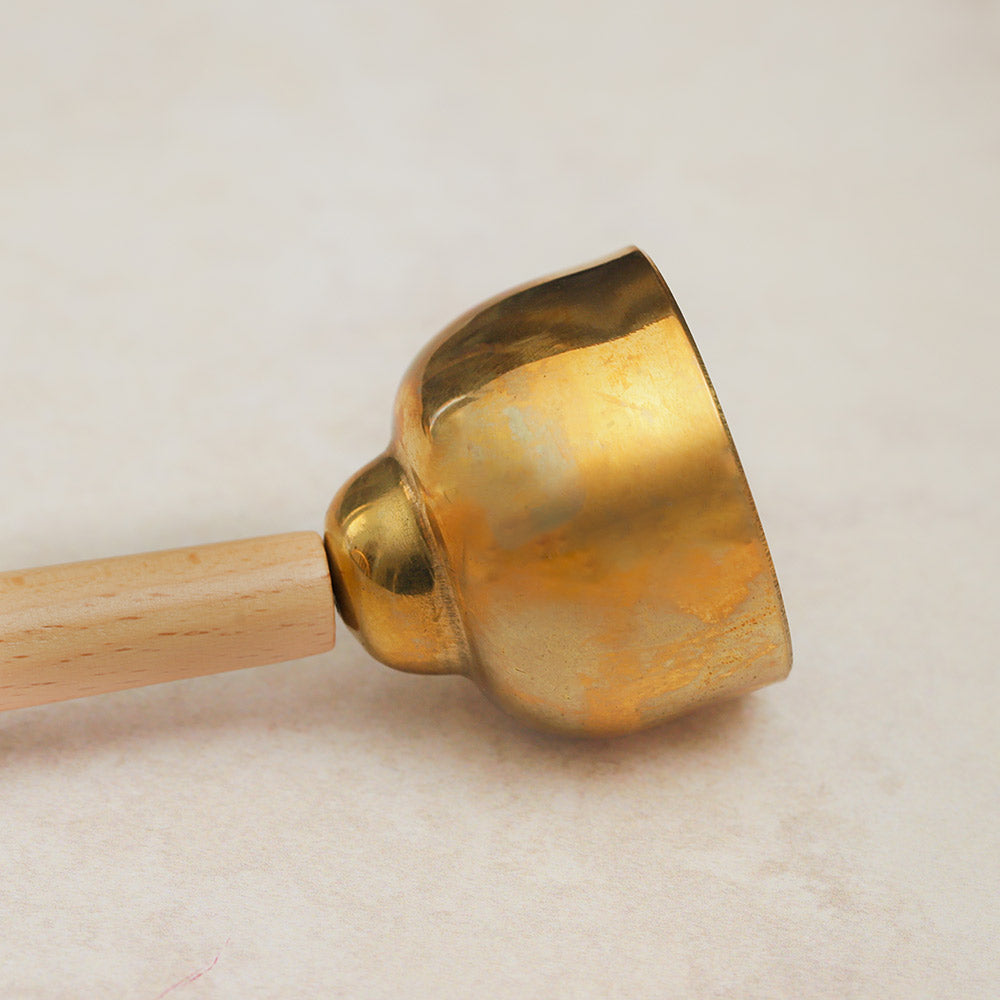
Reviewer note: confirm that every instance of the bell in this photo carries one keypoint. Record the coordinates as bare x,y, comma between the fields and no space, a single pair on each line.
560,516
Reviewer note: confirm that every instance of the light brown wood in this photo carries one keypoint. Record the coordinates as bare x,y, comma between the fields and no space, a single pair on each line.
90,627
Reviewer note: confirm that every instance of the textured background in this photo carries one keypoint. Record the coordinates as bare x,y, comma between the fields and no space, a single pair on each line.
225,228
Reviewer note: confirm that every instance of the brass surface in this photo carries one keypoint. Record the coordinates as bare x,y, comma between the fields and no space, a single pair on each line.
561,514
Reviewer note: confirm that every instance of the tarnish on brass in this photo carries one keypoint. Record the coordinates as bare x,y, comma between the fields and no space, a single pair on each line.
561,514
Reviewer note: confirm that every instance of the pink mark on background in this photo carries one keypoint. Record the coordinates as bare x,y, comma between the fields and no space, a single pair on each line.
192,977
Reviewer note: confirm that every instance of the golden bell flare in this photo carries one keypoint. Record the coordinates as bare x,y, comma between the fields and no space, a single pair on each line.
561,514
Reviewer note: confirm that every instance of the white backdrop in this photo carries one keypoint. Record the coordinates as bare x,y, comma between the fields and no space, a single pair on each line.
225,228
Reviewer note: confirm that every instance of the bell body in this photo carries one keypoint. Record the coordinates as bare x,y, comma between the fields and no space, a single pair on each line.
562,516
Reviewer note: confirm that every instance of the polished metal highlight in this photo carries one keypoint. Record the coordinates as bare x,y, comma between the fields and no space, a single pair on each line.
561,514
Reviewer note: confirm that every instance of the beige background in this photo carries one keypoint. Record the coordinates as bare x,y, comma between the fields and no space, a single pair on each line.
225,228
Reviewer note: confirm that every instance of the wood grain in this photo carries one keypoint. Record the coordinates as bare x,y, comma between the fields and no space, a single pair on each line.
90,627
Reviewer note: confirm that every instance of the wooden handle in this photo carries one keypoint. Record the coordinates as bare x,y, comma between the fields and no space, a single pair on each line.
90,627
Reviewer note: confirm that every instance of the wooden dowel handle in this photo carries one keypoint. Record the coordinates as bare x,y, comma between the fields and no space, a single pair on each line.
90,627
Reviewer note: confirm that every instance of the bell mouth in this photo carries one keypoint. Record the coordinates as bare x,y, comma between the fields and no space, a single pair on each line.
779,601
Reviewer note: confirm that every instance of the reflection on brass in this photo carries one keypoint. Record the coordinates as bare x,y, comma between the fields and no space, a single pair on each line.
561,514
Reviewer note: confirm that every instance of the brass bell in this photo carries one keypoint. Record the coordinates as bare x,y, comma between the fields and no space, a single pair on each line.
560,516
